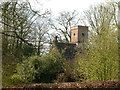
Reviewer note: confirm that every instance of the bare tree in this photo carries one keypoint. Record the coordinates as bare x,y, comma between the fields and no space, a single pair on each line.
41,34
19,21
65,20
101,15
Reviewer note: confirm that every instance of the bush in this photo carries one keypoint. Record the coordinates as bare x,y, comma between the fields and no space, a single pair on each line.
71,74
54,64
15,79
7,72
40,69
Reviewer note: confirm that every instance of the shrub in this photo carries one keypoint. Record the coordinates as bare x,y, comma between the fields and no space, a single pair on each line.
71,74
54,64
15,79
7,72
40,69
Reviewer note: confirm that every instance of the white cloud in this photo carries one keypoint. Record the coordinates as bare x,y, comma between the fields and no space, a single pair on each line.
60,5
57,6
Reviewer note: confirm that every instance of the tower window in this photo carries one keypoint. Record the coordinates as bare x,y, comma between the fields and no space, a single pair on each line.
74,34
83,34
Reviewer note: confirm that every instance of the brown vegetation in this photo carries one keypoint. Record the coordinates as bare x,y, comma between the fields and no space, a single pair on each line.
85,84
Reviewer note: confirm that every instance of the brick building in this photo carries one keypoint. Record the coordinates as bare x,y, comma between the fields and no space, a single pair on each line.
79,37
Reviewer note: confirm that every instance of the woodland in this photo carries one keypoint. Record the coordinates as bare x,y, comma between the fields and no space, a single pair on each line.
27,38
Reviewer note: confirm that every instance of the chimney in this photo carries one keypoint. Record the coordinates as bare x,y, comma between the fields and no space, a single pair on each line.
55,39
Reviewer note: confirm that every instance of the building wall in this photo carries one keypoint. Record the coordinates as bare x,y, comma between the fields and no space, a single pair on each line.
82,34
74,34
79,34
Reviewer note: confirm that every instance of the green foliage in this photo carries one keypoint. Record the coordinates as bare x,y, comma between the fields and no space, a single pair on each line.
101,60
54,64
40,69
8,71
15,79
71,74
28,50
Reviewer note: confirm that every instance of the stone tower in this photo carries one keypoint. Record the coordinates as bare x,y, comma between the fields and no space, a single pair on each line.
79,35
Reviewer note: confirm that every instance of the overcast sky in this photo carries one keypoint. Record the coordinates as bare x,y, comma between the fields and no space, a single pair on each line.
57,6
